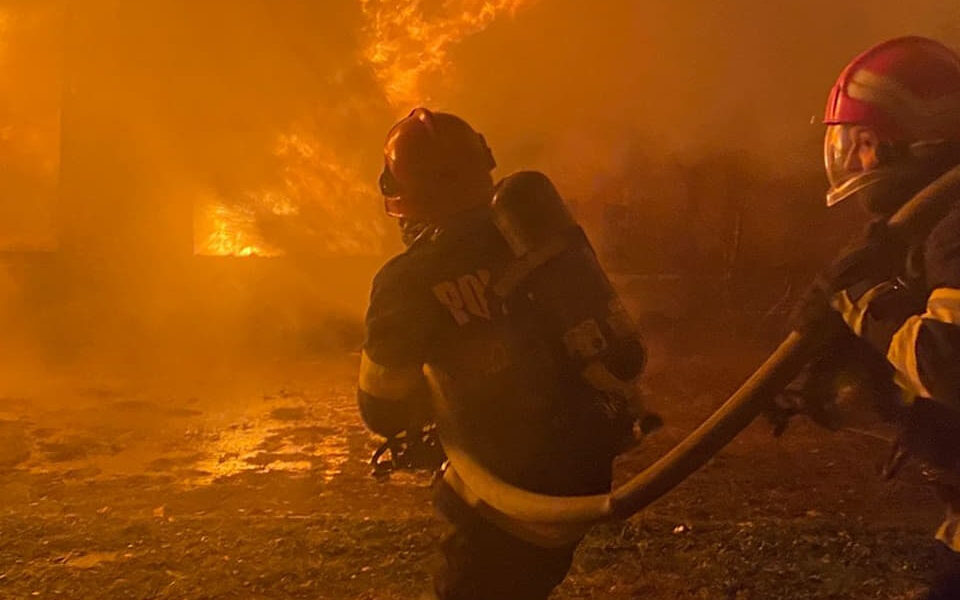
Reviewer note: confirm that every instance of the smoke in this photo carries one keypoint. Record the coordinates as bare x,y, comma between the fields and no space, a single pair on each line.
154,108
29,125
258,107
687,132
135,136
571,85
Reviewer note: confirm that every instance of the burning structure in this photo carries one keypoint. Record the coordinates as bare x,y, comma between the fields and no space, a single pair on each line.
149,150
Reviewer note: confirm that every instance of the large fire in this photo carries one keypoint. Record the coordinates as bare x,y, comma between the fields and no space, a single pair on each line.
404,42
316,189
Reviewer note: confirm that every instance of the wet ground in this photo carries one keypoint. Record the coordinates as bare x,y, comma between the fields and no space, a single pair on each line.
110,489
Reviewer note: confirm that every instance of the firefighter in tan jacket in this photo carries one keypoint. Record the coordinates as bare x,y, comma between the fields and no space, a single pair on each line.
893,127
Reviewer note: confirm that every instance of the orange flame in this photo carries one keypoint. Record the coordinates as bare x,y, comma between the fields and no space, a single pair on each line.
330,194
405,40
317,207
228,231
408,39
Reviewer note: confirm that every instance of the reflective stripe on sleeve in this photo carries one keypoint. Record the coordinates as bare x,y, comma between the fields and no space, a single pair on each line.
902,354
388,383
944,306
854,312
949,531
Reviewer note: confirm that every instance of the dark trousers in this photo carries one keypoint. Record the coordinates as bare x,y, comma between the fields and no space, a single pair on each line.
482,562
946,578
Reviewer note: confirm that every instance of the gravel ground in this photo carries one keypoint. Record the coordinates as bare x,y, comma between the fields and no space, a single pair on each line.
262,490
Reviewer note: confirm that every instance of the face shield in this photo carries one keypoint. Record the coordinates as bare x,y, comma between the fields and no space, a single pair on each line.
849,176
845,172
392,193
839,156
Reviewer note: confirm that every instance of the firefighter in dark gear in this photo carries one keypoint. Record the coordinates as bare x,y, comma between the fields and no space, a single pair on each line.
522,393
893,128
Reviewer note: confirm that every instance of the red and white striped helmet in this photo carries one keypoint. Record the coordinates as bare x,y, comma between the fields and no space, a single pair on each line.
906,90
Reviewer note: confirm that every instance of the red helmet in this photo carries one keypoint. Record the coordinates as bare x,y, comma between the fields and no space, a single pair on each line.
435,166
906,91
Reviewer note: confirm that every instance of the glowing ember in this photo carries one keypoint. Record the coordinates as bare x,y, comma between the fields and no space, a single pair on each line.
408,39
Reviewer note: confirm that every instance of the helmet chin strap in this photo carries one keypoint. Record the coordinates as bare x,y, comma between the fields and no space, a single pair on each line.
411,231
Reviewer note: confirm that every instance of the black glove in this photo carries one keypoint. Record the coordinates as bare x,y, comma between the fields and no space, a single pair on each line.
412,449
845,383
812,393
874,257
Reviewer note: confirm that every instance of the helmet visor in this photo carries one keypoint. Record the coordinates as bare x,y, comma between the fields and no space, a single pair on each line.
842,161
389,186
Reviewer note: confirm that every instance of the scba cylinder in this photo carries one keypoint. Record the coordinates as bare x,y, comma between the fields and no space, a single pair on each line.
556,269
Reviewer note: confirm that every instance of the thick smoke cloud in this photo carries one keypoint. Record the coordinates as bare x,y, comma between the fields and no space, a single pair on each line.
687,132
146,118
573,84
30,60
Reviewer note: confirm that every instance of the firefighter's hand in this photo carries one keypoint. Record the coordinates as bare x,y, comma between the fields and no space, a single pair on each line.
795,401
415,448
848,384
813,393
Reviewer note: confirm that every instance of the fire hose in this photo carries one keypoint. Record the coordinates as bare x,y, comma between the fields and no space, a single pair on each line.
911,223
